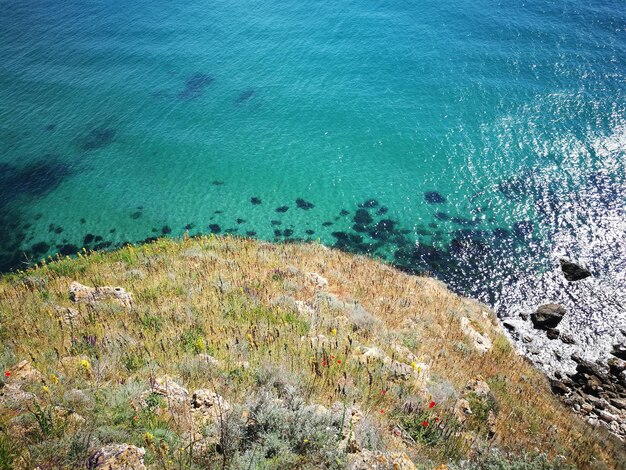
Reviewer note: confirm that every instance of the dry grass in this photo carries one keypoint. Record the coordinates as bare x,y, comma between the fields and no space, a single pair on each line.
235,300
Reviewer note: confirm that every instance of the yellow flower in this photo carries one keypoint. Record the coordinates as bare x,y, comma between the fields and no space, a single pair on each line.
334,331
84,363
149,437
306,441
54,379
45,389
200,346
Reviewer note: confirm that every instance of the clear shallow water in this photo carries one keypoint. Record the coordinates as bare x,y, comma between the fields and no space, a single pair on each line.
492,136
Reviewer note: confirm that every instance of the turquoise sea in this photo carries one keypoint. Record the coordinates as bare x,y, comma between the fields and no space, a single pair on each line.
475,140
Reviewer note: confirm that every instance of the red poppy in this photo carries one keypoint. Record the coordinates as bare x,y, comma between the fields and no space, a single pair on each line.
424,423
382,412
431,404
324,363
338,361
7,373
383,391
332,357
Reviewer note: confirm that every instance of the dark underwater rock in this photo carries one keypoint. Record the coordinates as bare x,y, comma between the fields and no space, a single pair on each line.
250,233
89,238
135,215
97,138
304,205
255,200
67,249
166,229
282,209
40,247
547,316
572,271
245,95
362,217
215,228
434,197
194,86
523,228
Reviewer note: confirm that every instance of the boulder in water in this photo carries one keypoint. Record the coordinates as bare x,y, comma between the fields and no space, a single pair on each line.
547,316
572,271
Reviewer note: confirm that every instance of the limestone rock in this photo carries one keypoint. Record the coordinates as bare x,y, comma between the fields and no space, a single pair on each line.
175,395
377,460
547,316
208,359
572,271
366,355
492,422
67,314
117,457
478,386
23,372
304,309
12,395
92,295
319,281
209,404
481,342
462,410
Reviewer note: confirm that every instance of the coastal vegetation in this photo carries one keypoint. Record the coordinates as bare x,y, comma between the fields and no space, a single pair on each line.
225,352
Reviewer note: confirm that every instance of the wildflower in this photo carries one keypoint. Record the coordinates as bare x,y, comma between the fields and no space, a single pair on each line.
54,379
45,389
324,363
431,404
424,423
338,361
383,392
84,363
334,331
332,357
382,412
7,373
149,437
306,441
135,418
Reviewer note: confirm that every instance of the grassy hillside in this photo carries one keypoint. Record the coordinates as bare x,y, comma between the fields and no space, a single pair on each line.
304,357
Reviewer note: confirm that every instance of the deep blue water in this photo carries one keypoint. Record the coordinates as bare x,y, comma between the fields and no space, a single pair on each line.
482,139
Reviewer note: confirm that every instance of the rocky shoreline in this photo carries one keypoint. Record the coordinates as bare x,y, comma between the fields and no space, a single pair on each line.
587,370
